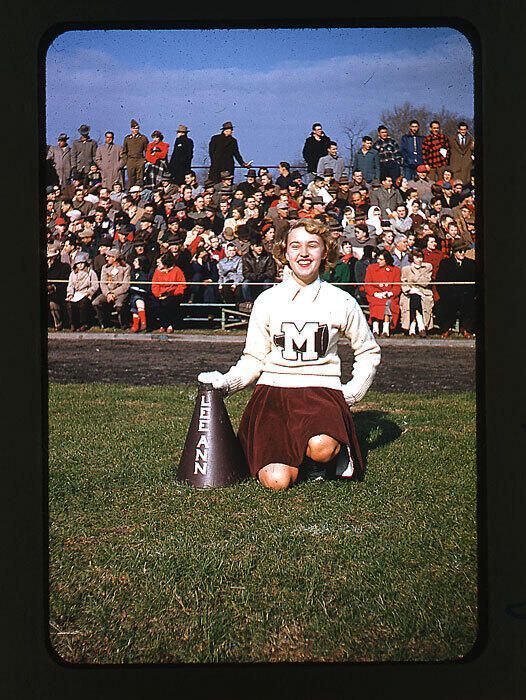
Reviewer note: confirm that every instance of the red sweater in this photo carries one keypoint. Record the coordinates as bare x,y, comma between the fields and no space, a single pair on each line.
175,276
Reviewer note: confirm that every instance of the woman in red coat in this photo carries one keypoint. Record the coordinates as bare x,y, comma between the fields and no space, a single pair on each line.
384,294
156,160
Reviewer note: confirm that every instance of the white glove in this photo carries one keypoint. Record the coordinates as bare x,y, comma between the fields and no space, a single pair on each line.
350,399
216,379
379,295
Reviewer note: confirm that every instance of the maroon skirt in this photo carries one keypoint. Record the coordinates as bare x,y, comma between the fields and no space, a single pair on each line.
278,423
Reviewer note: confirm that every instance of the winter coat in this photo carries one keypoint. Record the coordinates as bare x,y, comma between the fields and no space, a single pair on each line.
450,271
109,161
411,149
230,270
181,158
84,281
419,277
368,163
313,150
260,268
133,148
58,271
341,272
222,151
381,276
61,160
115,279
83,155
386,199
460,161
157,150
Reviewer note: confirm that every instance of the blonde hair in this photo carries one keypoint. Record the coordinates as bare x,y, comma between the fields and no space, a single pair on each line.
316,227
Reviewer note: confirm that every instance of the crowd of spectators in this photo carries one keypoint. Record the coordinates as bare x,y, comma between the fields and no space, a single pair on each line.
133,232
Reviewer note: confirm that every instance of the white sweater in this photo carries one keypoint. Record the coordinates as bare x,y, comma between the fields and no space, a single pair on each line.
292,340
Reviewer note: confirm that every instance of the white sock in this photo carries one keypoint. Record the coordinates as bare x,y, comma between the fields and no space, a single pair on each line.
376,327
385,327
420,321
412,328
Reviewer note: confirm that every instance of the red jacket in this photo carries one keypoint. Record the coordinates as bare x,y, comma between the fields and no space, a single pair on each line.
175,275
434,257
381,276
161,154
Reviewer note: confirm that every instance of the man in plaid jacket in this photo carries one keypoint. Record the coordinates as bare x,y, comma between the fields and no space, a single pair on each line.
389,154
435,151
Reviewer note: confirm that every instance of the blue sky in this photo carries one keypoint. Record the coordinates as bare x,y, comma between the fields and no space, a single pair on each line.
271,83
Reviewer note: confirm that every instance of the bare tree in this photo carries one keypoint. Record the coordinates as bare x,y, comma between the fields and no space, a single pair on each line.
397,119
354,129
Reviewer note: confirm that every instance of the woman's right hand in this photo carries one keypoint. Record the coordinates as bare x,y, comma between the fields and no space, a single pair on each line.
216,379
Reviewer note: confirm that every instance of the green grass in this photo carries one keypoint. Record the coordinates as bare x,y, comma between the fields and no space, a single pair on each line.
146,570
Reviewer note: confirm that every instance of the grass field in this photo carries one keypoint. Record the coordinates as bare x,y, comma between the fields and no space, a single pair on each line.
146,570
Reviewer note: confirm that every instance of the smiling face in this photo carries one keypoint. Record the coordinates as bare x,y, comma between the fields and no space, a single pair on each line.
304,253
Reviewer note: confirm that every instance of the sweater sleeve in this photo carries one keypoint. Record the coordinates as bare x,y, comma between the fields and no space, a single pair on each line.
257,346
367,354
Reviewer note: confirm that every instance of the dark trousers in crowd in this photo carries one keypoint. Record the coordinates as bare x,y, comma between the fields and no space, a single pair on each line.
436,173
204,294
135,169
452,307
103,309
389,169
231,297
415,305
167,311
79,313
409,172
252,291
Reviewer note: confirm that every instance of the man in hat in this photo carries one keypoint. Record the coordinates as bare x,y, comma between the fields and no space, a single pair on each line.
88,244
422,184
315,147
133,154
332,160
109,160
169,187
83,153
250,185
114,286
60,157
182,154
57,274
457,301
222,149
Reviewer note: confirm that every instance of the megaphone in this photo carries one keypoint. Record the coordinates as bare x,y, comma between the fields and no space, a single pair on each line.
212,455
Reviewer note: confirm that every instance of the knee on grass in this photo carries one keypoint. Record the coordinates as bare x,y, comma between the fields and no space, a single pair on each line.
277,476
322,448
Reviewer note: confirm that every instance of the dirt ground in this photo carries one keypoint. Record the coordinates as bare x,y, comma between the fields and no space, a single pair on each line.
405,367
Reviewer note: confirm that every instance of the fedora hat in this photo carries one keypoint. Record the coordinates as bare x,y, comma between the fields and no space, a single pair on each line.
182,129
227,125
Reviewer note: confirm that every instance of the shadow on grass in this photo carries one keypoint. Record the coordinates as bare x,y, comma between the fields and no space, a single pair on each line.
374,429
